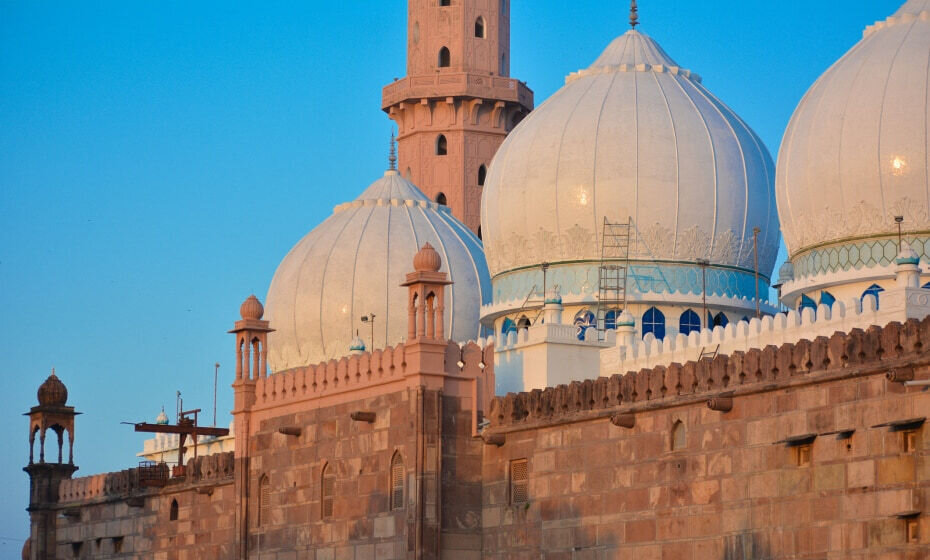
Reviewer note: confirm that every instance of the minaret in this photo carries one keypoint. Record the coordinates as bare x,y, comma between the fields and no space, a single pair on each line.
53,414
251,352
457,103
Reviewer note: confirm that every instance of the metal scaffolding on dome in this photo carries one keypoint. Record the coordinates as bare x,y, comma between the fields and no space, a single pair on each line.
612,273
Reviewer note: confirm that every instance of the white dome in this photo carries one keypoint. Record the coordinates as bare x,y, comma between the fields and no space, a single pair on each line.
632,135
855,153
354,263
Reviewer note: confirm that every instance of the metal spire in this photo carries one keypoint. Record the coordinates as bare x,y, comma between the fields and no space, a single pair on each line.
392,156
634,14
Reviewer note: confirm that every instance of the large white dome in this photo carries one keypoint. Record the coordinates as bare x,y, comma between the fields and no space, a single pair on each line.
634,135
354,263
855,153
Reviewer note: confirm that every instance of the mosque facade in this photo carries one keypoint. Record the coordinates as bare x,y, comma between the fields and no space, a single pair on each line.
569,350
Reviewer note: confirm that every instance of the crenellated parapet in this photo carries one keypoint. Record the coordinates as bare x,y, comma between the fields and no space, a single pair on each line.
367,372
122,484
633,353
860,351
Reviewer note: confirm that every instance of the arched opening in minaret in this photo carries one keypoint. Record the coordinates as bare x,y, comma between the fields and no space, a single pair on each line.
442,145
479,232
503,69
441,199
173,511
445,58
482,175
479,28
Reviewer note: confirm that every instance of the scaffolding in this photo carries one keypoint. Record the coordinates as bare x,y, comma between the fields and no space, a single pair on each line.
612,273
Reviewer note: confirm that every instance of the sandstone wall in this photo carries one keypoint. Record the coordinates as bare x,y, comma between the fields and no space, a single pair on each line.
735,488
112,516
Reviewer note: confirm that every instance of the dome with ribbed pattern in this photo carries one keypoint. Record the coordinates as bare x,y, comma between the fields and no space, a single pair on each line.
633,136
354,263
855,152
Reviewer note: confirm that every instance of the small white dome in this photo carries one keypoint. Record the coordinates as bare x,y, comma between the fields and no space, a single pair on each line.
855,152
634,135
162,418
353,265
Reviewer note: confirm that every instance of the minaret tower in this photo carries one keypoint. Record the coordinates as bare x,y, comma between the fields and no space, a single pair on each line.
48,469
458,102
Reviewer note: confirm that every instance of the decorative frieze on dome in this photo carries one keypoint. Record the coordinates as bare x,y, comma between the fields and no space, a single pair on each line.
654,241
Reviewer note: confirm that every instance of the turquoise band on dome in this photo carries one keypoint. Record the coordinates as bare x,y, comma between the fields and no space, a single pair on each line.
856,255
664,278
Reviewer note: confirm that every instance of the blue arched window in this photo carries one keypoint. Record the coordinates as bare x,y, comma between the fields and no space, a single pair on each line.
654,322
508,326
523,323
807,303
610,319
926,286
874,289
721,320
584,320
689,322
826,298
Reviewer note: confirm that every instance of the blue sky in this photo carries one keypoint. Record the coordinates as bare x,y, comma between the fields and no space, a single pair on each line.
157,160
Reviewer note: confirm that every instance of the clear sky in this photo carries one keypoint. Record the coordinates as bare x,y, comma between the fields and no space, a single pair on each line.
158,159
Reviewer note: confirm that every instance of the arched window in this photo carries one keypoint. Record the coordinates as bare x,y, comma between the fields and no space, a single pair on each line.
482,175
826,298
807,303
445,58
689,322
926,286
523,323
442,145
173,513
479,28
397,481
874,290
264,501
408,174
679,438
503,65
508,326
479,232
720,320
327,491
584,320
441,199
654,322
610,319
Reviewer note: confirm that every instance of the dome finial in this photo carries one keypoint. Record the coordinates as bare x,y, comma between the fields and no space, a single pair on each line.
392,155
634,14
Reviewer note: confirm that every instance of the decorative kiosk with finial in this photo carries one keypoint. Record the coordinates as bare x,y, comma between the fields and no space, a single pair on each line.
54,414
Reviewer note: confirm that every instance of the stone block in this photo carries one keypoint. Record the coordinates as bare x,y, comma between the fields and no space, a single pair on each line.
829,477
895,470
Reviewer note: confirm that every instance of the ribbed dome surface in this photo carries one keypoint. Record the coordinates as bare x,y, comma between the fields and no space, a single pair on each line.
632,135
353,264
855,152
52,392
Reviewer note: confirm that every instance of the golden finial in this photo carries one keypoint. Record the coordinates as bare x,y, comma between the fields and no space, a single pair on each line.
634,14
392,156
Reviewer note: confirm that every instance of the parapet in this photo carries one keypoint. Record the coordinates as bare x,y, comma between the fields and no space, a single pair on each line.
219,468
674,384
896,305
359,374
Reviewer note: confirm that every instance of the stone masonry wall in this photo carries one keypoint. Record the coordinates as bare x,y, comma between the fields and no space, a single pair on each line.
804,464
363,524
117,518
